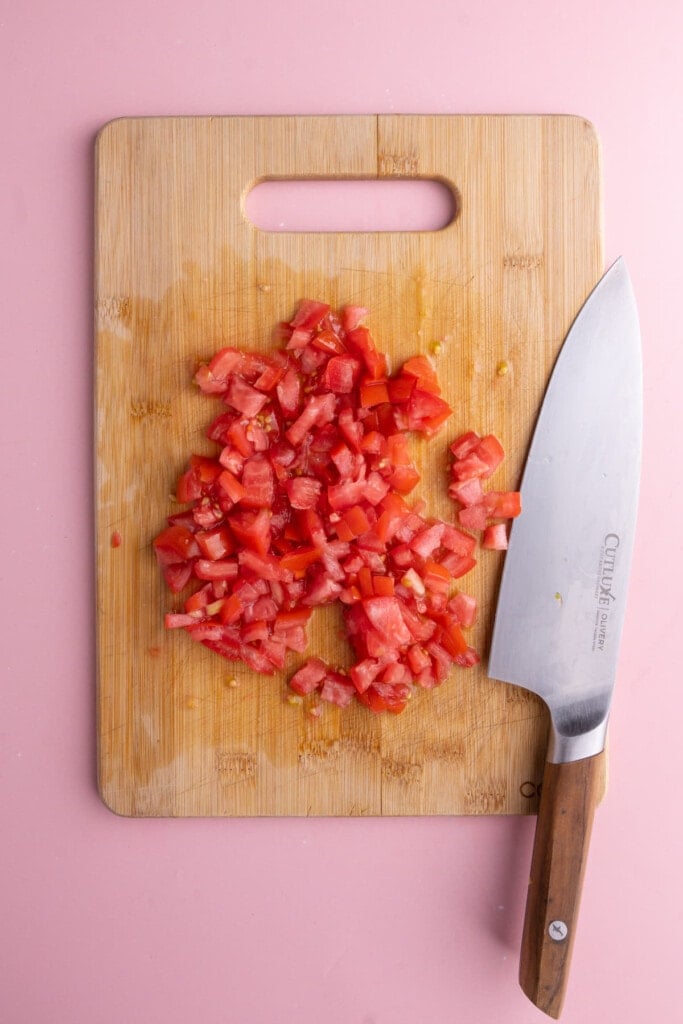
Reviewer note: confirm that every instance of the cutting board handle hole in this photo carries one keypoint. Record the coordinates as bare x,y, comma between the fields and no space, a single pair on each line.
351,204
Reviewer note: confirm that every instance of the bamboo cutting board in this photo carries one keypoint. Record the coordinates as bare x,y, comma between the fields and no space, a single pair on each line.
180,272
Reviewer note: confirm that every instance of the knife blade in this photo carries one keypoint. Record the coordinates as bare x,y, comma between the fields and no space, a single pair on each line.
562,600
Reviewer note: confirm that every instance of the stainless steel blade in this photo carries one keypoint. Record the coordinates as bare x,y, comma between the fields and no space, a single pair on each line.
563,591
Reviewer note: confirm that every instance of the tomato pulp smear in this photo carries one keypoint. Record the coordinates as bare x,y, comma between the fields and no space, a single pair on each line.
306,503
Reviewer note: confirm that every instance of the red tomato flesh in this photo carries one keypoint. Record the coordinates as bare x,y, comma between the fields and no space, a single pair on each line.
305,504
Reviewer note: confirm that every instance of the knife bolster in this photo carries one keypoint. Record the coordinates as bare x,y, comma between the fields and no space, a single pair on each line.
564,748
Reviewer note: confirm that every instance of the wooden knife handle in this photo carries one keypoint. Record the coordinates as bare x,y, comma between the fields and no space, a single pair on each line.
565,817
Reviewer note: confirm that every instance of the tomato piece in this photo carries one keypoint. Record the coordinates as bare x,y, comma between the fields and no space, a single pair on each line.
503,504
337,689
373,392
216,543
362,341
271,376
467,492
495,537
356,521
340,374
264,565
458,565
418,659
231,486
422,370
474,517
289,392
175,544
458,542
318,410
188,487
177,576
386,697
298,561
303,492
252,529
428,540
463,609
436,577
207,383
351,317
467,659
309,677
404,479
466,443
328,341
244,397
309,314
257,483
490,451
385,615
226,362
222,569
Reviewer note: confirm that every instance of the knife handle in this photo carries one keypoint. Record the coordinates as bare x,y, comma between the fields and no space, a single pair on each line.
565,817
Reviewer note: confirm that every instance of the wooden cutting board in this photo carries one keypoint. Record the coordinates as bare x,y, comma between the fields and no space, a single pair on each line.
180,272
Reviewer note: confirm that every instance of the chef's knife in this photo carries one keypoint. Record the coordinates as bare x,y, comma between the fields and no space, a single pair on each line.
562,598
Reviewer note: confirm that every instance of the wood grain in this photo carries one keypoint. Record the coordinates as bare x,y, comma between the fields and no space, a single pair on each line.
180,271
565,819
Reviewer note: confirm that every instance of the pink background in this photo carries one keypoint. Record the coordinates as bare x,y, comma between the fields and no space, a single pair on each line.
348,922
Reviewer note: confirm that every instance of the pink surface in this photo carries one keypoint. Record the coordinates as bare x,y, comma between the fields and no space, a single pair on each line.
349,922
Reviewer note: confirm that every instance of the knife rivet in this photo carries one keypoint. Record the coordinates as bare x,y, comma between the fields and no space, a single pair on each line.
558,931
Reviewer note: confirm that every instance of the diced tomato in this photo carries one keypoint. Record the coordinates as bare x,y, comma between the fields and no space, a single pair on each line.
175,544
466,443
188,487
337,689
467,492
474,517
262,564
490,451
252,529
328,341
303,491
258,483
309,314
436,577
223,569
244,397
386,697
373,392
289,391
216,543
298,561
319,409
458,542
422,370
426,412
428,540
225,363
178,620
309,677
231,486
304,505
340,374
362,341
177,576
503,504
385,615
351,317
495,537
463,609
458,565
